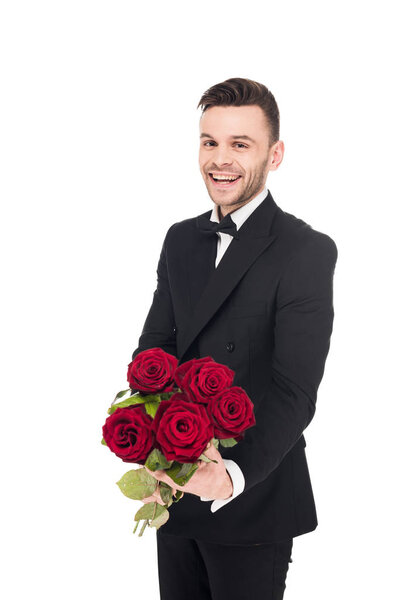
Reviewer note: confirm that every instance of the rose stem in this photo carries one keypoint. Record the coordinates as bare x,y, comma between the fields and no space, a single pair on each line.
136,526
143,527
155,502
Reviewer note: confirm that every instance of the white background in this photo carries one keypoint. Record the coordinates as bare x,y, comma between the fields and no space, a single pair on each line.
99,143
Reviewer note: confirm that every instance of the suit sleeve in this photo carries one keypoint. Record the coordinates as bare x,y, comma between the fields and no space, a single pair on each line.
159,330
302,330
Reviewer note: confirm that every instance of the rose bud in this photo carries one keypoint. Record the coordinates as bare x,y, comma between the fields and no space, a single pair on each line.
231,413
152,371
202,378
127,432
182,429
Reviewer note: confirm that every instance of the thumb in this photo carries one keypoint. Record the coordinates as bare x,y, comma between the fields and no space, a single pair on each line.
211,452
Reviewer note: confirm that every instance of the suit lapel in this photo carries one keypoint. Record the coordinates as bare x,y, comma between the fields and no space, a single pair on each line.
211,286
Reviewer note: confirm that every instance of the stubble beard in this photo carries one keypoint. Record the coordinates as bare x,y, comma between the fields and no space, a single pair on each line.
254,187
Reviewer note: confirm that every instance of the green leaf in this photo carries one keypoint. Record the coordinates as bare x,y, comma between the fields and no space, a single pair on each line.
146,511
166,493
215,441
155,397
156,517
151,408
160,518
179,494
181,472
121,394
137,484
228,443
206,459
156,460
140,399
134,399
167,395
187,469
103,441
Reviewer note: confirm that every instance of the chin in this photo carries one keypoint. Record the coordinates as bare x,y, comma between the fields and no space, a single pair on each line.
228,195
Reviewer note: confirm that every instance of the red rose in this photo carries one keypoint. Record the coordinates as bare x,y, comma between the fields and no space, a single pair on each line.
127,432
182,429
203,378
152,371
231,413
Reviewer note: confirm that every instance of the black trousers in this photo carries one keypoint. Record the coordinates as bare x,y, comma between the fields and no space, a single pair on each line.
190,569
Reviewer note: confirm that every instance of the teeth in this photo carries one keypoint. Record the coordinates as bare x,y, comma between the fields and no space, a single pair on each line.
222,178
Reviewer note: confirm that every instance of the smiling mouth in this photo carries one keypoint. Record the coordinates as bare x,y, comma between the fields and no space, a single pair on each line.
224,181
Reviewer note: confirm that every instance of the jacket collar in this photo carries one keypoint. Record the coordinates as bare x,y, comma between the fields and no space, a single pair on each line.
255,238
240,215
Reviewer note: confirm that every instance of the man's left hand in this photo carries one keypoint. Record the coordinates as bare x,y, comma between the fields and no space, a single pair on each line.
211,480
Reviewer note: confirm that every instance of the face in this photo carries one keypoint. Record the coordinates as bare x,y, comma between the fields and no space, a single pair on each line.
234,155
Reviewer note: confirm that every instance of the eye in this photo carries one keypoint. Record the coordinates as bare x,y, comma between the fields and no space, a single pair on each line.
241,144
210,142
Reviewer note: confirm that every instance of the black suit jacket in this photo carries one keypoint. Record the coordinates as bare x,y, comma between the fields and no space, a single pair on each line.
266,311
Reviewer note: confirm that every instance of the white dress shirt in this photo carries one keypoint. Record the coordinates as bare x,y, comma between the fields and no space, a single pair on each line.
224,239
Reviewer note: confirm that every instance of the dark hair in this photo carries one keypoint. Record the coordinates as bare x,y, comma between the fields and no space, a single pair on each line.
244,92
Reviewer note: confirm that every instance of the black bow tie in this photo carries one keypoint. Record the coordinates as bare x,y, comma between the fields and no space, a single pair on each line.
226,225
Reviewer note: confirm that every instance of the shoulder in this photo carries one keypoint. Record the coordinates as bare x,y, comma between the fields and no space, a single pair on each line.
181,230
299,238
307,266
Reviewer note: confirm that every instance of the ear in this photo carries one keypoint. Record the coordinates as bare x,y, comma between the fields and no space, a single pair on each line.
277,152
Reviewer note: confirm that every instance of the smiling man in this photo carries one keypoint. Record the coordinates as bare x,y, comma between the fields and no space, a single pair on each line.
251,286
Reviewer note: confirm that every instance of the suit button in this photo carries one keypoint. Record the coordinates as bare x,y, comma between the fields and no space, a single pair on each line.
230,346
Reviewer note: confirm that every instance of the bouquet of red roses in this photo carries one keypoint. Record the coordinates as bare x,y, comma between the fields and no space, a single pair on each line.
166,420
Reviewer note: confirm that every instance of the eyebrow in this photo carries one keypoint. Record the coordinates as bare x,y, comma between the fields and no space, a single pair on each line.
234,137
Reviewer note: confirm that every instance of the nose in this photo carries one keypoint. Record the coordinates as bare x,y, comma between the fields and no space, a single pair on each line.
222,156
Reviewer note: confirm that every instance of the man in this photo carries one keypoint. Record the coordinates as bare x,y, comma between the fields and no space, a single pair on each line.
251,286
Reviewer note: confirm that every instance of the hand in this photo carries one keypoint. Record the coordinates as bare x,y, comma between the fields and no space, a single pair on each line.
211,480
156,496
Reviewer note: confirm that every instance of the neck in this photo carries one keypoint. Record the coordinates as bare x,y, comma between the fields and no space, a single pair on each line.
225,210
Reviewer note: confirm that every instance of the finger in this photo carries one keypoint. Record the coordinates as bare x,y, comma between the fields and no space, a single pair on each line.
213,453
149,472
158,474
175,490
149,499
153,498
211,449
210,452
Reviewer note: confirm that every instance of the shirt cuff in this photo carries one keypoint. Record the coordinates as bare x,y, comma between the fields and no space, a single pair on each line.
238,482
